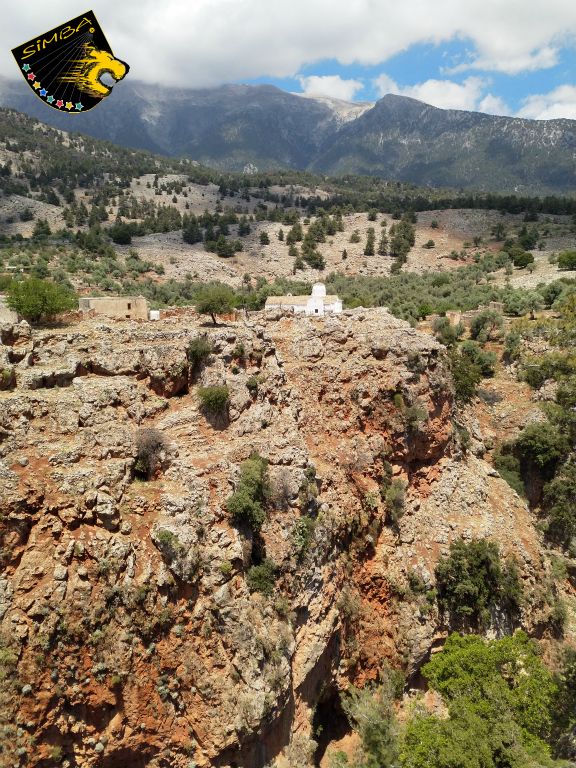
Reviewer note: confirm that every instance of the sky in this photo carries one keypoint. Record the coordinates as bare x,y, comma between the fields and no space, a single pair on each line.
505,57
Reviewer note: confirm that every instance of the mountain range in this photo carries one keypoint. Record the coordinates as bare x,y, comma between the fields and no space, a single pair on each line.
233,127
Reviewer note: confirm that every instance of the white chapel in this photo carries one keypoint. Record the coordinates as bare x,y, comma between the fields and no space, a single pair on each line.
317,304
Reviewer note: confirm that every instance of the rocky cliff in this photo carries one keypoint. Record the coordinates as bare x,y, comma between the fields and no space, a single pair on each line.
129,636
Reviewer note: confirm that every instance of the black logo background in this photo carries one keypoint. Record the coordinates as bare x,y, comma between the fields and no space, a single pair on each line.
54,57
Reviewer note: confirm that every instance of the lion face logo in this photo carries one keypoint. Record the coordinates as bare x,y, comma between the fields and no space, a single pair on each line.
64,67
87,71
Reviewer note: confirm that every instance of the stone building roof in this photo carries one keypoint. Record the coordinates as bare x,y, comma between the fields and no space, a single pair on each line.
289,300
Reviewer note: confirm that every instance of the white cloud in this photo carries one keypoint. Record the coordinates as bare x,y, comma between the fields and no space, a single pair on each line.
206,42
446,94
523,61
493,105
330,85
561,102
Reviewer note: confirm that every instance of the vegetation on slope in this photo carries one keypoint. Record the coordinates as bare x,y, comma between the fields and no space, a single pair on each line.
498,705
542,456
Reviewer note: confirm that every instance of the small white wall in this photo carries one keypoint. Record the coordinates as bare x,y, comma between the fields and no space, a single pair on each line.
335,307
315,306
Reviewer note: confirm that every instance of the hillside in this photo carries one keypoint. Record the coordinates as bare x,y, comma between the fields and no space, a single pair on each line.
268,541
238,126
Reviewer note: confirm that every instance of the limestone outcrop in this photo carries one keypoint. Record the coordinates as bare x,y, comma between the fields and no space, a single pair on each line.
128,632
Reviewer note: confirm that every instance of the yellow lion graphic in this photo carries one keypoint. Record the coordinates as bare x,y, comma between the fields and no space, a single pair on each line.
87,71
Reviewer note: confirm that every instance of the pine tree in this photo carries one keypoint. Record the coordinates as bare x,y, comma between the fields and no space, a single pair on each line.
383,244
370,240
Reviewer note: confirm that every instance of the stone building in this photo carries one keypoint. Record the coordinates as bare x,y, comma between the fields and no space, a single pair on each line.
120,307
318,303
455,316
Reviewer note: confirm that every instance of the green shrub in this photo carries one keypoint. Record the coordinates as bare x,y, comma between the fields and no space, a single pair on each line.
513,345
302,534
370,243
447,333
484,361
463,437
416,583
239,351
35,299
121,233
396,499
245,509
226,568
41,230
56,753
415,416
246,504
199,349
371,712
252,385
487,325
520,258
508,467
415,362
398,401
565,704
560,505
567,260
168,543
471,581
254,477
554,365
541,445
214,400
500,700
465,375
262,578
558,616
7,378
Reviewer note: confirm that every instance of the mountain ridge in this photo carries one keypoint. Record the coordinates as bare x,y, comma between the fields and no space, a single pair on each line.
397,137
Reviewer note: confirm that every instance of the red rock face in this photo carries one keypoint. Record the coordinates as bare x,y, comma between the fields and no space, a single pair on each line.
129,635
